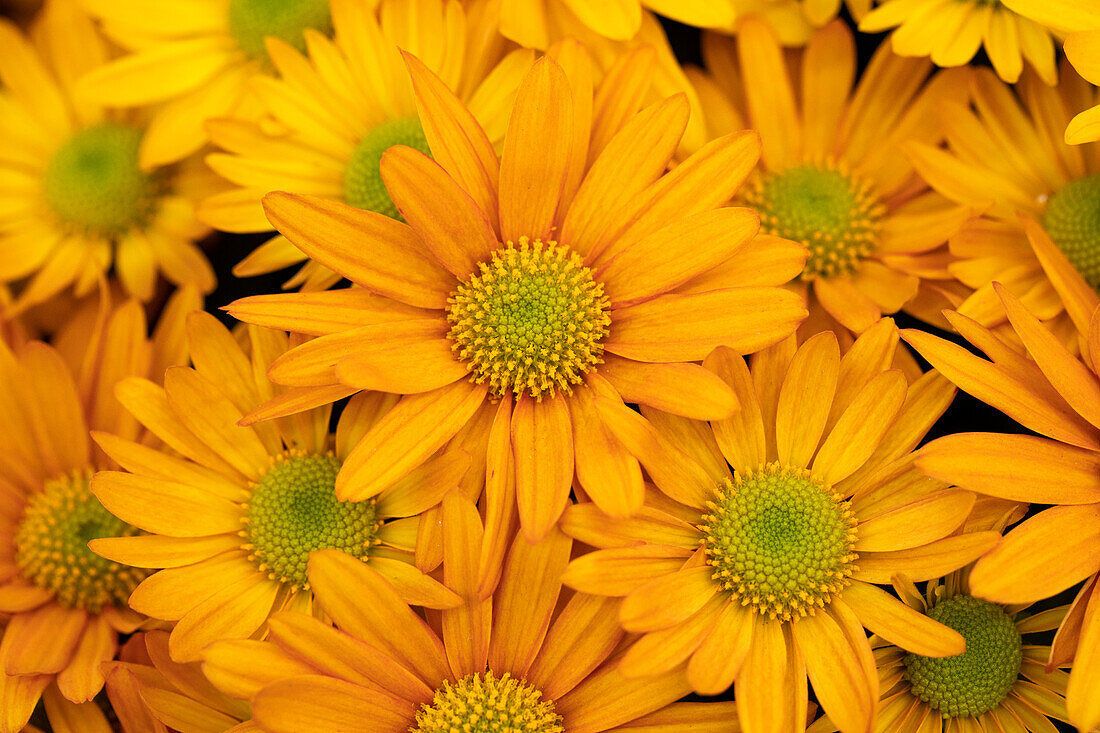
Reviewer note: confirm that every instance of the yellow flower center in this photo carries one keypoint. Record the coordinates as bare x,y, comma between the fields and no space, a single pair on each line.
363,186
251,21
51,546
835,214
980,678
483,703
1072,219
93,182
780,540
293,511
532,321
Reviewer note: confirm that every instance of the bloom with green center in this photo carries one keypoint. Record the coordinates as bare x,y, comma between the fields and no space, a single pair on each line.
780,540
93,182
363,186
51,546
1072,219
533,320
835,214
251,21
293,511
484,703
978,679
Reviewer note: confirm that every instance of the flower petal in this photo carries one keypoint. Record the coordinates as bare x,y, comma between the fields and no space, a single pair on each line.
835,672
901,624
934,560
542,439
806,398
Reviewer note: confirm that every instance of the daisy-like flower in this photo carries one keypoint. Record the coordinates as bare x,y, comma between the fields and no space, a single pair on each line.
1057,396
1009,31
74,200
65,606
531,657
1083,51
150,692
832,175
233,512
360,104
531,282
1000,683
533,22
1006,156
757,554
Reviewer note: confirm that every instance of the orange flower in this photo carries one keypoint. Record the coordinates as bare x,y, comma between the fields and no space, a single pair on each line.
536,282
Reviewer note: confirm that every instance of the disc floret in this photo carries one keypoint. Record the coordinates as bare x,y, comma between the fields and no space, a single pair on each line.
834,213
93,182
1072,219
980,678
251,21
293,511
484,703
780,540
532,320
51,546
363,185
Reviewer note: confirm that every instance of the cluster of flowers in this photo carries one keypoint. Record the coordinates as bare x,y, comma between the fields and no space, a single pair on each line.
584,395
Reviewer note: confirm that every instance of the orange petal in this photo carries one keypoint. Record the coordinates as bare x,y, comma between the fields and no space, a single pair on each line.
41,641
166,507
901,624
1079,299
414,587
1082,702
658,652
861,427
19,695
917,522
466,628
609,474
326,704
591,526
607,698
842,300
762,676
741,436
542,440
536,153
668,600
500,499
771,106
317,314
234,612
835,672
682,389
717,661
581,637
620,571
82,679
805,399
934,560
410,365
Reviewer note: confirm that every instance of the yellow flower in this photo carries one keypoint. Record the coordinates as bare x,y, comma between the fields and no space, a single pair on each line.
533,23
794,21
832,175
330,116
233,512
951,33
73,199
1005,156
147,691
65,616
536,282
980,689
529,656
1057,396
1083,51
756,555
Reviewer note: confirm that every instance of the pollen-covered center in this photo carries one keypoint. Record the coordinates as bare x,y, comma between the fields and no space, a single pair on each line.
834,214
977,680
94,183
780,540
1072,220
484,703
363,186
533,320
251,21
51,546
293,511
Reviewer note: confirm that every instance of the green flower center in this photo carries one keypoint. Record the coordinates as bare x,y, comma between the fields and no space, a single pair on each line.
533,320
251,21
363,186
482,703
1072,220
93,181
293,511
977,680
834,214
780,540
51,546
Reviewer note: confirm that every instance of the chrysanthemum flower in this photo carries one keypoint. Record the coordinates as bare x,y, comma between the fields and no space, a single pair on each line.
1006,156
148,691
1057,396
532,23
233,512
998,684
537,282
1083,51
330,116
758,550
66,604
832,175
530,658
1010,31
74,200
